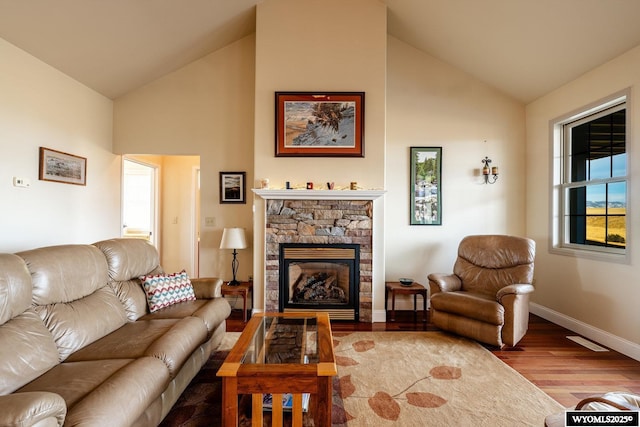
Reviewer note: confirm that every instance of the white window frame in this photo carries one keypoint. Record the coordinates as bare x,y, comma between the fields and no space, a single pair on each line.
559,161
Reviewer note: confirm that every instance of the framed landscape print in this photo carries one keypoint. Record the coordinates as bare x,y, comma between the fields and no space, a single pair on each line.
320,124
62,167
425,206
232,187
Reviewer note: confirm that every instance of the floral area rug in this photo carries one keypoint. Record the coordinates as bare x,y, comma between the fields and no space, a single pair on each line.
430,379
397,379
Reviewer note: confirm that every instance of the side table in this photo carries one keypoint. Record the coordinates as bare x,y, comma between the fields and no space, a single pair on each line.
241,289
414,289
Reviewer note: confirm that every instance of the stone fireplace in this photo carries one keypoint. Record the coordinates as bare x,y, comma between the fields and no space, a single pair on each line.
319,221
324,217
320,277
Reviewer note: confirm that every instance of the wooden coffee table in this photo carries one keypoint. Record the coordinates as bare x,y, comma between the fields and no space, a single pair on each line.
414,289
281,353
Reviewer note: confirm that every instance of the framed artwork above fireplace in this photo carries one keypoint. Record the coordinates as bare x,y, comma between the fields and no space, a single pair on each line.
319,124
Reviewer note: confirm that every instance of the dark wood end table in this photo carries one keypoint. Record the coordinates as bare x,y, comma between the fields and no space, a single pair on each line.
243,290
414,289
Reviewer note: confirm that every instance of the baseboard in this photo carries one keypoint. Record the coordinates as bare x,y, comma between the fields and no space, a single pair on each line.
604,338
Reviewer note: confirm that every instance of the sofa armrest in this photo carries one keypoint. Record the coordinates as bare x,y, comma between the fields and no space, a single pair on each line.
515,289
440,282
207,287
31,408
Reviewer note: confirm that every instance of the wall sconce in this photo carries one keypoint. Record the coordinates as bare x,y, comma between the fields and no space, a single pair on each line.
490,174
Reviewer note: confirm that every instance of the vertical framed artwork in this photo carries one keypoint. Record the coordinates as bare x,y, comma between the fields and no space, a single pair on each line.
62,167
232,187
425,194
320,124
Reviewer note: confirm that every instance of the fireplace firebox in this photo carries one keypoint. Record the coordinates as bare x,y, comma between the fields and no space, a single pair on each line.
320,277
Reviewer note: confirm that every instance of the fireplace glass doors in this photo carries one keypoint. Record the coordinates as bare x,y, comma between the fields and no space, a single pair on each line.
320,277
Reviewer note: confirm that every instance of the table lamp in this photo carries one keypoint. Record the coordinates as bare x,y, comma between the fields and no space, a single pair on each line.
233,238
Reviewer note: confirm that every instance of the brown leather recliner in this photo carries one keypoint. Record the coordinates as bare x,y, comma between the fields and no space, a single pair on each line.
487,296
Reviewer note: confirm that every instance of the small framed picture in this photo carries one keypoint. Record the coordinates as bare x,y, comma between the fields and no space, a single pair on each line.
62,167
232,187
425,194
320,124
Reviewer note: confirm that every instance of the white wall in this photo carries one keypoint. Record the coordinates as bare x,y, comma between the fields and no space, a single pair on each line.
40,106
203,109
432,104
599,296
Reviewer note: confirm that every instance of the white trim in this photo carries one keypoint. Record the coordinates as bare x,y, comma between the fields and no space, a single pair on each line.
319,194
604,338
378,316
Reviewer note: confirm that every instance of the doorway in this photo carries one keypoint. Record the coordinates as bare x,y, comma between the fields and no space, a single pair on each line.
161,203
139,200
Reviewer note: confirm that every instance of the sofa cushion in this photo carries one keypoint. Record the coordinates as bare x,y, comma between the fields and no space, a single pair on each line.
105,392
128,342
164,290
129,258
27,348
468,304
62,274
71,295
15,287
211,311
79,323
26,352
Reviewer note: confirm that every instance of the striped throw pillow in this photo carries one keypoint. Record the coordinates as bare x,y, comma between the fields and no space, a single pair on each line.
163,290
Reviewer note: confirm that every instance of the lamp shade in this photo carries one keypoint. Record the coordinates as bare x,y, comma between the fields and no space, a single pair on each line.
233,238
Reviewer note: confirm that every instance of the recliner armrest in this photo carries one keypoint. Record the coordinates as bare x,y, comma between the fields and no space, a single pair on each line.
440,282
207,287
30,408
517,289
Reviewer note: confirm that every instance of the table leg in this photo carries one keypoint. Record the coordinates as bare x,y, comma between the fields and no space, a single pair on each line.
393,306
424,306
323,409
229,402
415,307
244,306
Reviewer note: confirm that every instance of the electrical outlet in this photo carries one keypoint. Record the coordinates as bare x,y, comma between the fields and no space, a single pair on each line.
210,221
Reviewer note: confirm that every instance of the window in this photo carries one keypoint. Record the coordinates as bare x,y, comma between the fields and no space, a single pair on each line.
590,181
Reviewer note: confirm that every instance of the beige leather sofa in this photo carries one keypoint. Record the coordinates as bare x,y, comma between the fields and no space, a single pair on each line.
78,346
487,296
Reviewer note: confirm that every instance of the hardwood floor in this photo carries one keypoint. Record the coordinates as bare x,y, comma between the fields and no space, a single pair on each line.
563,369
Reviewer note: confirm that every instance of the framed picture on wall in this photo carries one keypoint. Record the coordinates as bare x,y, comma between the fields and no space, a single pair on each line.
232,187
425,193
62,167
320,124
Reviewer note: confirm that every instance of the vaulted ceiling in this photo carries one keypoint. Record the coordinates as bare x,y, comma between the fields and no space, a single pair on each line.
525,48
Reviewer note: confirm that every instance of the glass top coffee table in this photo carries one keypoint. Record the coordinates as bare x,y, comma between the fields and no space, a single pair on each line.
276,354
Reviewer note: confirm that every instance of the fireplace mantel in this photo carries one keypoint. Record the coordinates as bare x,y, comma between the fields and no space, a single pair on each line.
319,194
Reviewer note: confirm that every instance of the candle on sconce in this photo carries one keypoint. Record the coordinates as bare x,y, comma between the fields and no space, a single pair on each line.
485,170
494,170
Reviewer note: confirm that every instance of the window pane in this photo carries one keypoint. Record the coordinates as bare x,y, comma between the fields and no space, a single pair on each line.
598,148
617,231
600,168
619,165
617,211
596,229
